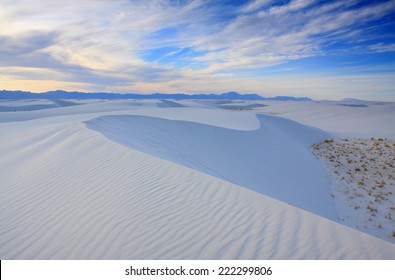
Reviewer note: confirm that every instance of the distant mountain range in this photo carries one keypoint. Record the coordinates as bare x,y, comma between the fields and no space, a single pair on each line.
60,94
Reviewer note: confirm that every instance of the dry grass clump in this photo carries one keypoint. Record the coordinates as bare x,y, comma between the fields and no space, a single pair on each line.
363,175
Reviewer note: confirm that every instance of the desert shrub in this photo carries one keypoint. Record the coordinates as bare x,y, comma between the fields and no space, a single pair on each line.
371,208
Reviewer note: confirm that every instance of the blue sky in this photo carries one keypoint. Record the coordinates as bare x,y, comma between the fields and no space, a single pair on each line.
320,49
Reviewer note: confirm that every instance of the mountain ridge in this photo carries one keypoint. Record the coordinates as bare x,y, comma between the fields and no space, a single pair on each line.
61,94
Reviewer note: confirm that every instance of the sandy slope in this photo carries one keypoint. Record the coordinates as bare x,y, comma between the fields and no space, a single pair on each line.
362,173
274,160
68,192
73,194
373,119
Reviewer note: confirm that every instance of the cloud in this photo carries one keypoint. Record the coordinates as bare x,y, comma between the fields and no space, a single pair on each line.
105,43
255,5
25,43
287,32
292,6
81,41
380,47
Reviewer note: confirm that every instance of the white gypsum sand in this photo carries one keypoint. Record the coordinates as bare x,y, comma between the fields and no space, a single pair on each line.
70,192
363,175
266,160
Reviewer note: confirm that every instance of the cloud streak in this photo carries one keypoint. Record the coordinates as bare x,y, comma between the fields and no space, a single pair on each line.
130,45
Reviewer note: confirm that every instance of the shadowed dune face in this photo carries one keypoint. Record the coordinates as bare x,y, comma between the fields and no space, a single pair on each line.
169,104
367,119
26,108
267,160
34,105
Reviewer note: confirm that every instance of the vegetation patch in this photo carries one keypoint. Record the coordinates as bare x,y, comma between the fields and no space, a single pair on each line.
362,172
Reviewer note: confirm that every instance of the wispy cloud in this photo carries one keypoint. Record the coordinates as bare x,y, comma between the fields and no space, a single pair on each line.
256,5
288,32
380,47
187,45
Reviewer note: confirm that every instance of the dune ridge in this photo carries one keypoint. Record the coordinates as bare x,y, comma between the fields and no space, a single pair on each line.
266,160
117,203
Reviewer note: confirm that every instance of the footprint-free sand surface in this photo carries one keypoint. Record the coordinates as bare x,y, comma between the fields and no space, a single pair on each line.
163,180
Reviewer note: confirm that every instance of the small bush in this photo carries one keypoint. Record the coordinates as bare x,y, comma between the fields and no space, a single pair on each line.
372,209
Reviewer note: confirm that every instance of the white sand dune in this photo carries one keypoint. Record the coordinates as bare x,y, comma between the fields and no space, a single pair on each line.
374,120
266,160
62,108
69,192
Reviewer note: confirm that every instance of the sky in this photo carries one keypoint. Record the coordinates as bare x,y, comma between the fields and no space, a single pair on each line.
320,49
